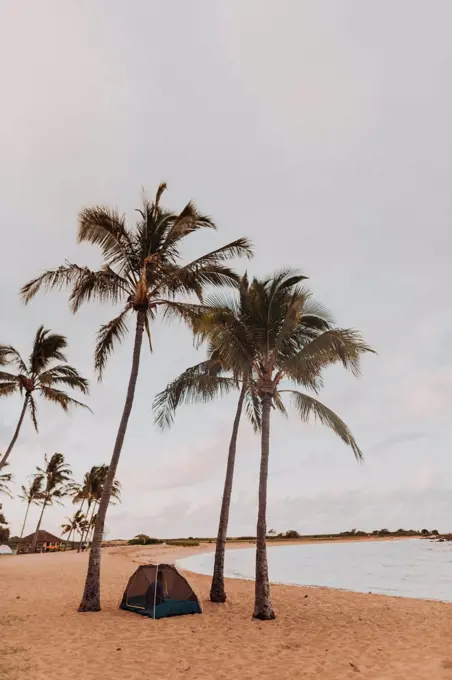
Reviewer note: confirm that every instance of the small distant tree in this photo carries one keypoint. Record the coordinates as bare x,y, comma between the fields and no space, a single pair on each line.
435,532
142,538
425,532
4,529
291,533
272,533
384,532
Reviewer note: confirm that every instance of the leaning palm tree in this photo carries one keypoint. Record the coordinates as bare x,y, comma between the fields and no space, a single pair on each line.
285,358
31,495
75,524
39,376
56,475
142,271
218,375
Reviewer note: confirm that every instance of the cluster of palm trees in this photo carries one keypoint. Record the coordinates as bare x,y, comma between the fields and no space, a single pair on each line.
53,483
263,338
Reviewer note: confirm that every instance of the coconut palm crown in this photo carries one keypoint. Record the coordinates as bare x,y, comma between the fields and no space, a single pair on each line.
44,374
141,269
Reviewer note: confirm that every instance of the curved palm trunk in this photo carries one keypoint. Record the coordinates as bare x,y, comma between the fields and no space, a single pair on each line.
91,594
35,537
217,591
25,520
262,602
4,460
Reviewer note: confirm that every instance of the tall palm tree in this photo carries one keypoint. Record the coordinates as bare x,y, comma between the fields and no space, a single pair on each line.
142,271
56,475
219,375
75,524
39,376
31,495
285,358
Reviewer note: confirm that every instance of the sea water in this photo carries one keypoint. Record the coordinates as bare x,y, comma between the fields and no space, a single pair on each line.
408,568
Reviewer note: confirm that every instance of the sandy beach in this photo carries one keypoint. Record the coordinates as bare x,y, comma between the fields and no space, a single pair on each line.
318,633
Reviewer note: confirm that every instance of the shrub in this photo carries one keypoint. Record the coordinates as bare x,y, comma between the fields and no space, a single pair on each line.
291,534
184,543
142,539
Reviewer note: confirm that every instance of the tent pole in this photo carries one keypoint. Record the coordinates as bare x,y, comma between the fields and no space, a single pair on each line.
155,587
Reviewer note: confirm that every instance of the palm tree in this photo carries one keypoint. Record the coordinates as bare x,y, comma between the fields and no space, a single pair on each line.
284,354
223,372
90,491
76,523
219,375
39,376
31,494
56,475
142,271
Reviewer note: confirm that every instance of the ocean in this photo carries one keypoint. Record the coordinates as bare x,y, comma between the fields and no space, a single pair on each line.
406,568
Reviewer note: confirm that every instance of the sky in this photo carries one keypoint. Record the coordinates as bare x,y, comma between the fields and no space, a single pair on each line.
320,130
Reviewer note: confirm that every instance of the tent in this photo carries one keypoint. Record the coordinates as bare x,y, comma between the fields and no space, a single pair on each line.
5,550
158,591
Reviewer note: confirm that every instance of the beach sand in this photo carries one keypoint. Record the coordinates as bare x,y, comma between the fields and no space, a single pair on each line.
318,633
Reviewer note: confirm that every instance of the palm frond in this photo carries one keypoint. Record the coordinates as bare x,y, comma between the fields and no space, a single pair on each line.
198,384
279,405
9,355
65,375
109,334
187,222
8,377
173,310
47,347
60,397
33,412
332,346
8,388
253,408
5,479
105,227
104,285
54,279
147,328
307,406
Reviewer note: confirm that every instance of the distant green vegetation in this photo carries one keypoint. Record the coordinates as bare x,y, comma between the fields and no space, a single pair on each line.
144,539
187,543
291,534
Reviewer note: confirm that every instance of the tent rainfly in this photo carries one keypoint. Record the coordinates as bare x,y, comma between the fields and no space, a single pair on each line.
158,591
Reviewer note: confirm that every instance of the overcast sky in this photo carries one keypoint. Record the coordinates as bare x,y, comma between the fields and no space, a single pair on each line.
321,130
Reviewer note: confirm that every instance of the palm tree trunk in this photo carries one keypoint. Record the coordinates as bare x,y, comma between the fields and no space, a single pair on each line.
91,594
217,591
262,603
82,533
25,520
35,537
4,460
68,539
91,525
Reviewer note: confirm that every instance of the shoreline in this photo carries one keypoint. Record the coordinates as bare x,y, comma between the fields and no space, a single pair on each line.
319,632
